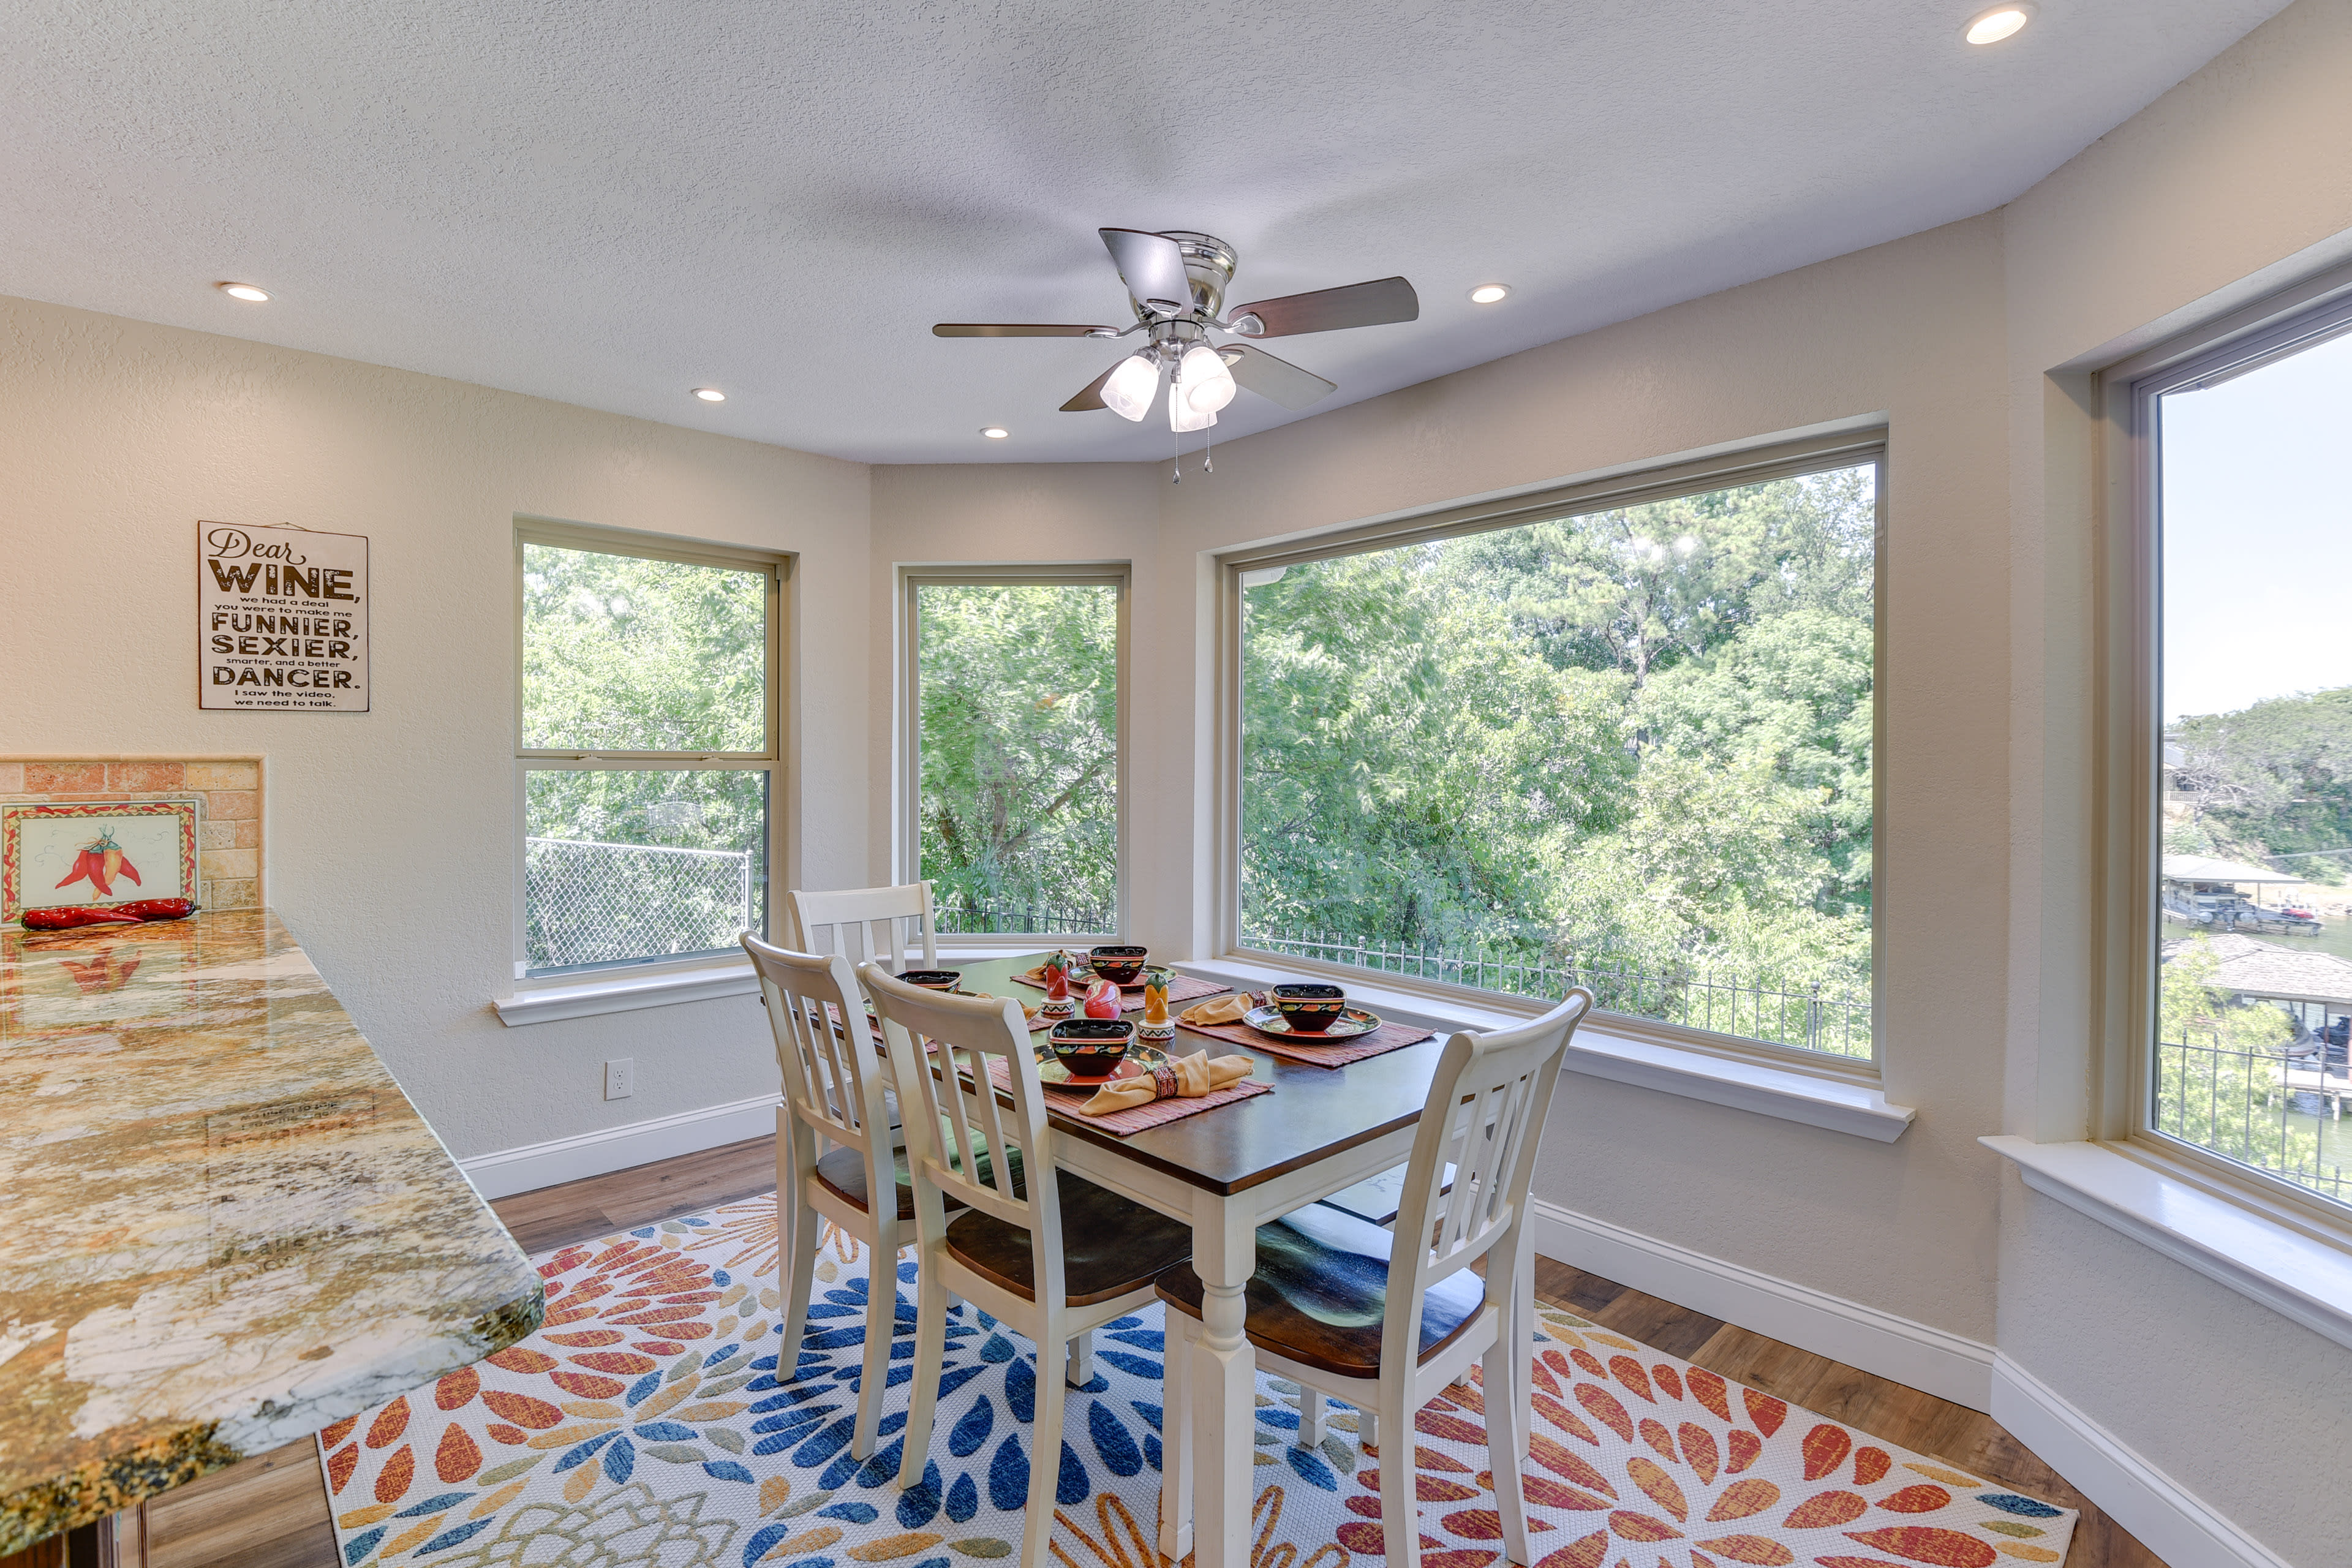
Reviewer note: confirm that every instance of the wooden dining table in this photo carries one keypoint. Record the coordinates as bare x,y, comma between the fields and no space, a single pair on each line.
1226,1171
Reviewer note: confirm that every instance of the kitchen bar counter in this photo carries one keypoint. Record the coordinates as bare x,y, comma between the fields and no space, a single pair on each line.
222,1224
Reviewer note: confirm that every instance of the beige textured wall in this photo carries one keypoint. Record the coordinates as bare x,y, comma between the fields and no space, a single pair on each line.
2233,185
392,834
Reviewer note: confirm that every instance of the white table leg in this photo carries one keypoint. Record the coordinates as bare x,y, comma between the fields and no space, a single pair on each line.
1224,1381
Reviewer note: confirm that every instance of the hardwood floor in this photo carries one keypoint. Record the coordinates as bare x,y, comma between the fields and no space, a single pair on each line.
271,1512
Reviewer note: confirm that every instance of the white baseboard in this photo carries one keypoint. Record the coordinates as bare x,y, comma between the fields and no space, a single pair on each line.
1912,1353
2168,1519
535,1166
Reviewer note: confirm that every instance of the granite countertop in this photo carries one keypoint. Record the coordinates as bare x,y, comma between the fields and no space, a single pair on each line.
226,1225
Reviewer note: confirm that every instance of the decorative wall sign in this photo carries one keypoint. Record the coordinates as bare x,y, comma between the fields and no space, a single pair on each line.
59,854
283,615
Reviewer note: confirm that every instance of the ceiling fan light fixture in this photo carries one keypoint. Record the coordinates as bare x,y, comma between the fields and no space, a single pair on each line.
1184,418
1204,382
1132,387
2001,22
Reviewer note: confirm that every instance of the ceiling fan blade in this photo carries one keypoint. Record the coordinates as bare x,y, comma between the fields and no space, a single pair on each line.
1092,396
1370,304
1275,378
1017,330
1153,268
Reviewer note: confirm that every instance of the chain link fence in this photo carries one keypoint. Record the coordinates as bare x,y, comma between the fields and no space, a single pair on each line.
1814,1018
586,902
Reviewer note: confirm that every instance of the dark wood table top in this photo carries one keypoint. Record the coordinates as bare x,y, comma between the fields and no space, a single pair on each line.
1314,1113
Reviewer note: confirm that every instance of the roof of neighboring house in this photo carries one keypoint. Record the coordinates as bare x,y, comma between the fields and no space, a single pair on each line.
2252,967
2205,869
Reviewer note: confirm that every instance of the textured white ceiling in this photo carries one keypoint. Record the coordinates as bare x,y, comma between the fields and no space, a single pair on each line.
610,204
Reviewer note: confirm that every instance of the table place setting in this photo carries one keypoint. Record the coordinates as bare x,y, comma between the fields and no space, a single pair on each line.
1308,1022
1132,1087
1122,965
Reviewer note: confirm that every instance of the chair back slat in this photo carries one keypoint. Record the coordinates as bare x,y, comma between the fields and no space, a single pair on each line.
880,925
1485,1119
963,1138
832,1075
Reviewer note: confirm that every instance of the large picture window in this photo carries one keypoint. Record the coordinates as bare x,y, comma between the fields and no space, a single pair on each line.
2245,472
648,723
1628,747
1015,749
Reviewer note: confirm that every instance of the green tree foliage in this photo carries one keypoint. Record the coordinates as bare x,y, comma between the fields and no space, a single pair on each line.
1639,737
1019,700
2273,778
627,654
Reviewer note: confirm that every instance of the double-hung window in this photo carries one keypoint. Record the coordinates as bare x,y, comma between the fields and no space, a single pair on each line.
648,716
1012,777
2242,686
1621,736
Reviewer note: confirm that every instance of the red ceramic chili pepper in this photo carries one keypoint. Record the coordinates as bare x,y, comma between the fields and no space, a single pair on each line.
157,908
69,919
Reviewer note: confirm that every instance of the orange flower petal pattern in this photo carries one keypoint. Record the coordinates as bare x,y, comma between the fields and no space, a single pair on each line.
1637,1459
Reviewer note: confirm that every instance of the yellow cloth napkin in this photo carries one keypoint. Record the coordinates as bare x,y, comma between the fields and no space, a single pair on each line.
1223,1010
1191,1077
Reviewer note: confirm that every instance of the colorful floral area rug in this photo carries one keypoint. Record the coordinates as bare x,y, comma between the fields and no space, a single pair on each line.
646,1423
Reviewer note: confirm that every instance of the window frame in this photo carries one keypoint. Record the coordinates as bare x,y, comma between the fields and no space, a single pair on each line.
2128,764
1839,446
777,566
907,845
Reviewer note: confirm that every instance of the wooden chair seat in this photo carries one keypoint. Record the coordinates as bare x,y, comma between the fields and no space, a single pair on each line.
1321,1291
842,1173
1110,1245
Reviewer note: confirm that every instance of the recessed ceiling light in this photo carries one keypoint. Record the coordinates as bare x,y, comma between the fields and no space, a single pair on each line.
2001,22
1487,293
245,292
709,395
994,432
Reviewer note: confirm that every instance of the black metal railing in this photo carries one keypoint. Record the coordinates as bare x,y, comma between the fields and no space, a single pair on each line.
2280,1111
1815,1017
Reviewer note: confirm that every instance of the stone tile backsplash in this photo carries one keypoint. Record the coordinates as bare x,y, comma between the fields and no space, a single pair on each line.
230,788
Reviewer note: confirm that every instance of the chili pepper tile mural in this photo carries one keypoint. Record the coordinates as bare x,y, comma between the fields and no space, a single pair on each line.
653,1418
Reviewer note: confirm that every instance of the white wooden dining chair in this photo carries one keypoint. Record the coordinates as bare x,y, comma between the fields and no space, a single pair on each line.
1051,1260
833,1087
884,924
1335,1299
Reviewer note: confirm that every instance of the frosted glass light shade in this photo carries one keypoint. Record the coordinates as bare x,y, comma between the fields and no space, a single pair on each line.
1184,417
1131,387
1207,385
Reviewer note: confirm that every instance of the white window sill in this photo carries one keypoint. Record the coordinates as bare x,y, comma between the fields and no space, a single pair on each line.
621,991
2292,1273
1841,1105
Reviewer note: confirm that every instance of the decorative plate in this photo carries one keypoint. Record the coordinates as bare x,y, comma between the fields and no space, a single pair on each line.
1269,1020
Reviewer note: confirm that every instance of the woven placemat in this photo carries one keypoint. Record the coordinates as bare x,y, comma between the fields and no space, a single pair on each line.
1135,1118
1387,1037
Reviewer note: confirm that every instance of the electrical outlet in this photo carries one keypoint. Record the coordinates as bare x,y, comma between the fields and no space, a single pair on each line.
621,1079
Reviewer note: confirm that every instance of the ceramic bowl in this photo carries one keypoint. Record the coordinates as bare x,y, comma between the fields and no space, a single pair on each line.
932,979
1091,1048
1308,1006
1119,965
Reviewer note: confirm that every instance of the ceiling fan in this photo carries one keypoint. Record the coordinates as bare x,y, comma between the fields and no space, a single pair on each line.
1177,283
